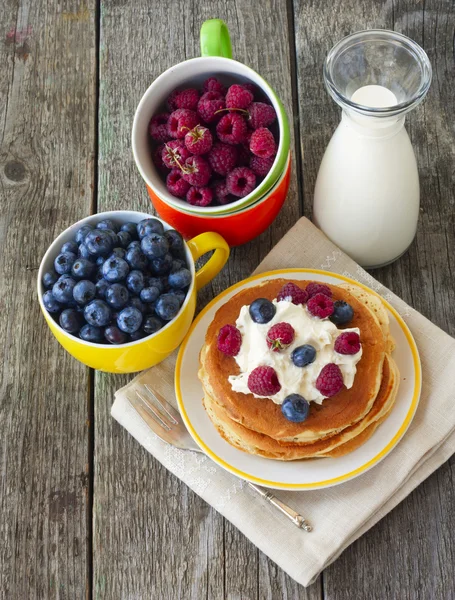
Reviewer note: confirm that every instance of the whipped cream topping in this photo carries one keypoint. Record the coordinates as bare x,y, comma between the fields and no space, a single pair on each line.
320,333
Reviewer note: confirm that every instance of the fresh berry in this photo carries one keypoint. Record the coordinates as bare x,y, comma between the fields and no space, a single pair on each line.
101,288
261,166
136,244
136,258
124,239
175,153
137,335
314,288
64,262
320,306
97,313
244,154
221,193
117,295
250,87
178,264
114,237
157,157
196,171
199,140
107,224
158,127
51,303
209,106
222,158
229,340
342,313
84,291
199,196
62,289
84,253
262,310
69,247
149,294
135,281
137,303
167,307
171,104
213,85
161,266
260,115
238,97
188,98
155,282
49,278
262,143
149,226
292,293
241,181
180,122
83,268
129,319
82,233
90,333
347,343
303,355
330,380
263,381
115,269
114,336
179,294
130,228
176,245
70,320
151,325
180,279
176,185
154,246
99,242
232,129
280,336
295,408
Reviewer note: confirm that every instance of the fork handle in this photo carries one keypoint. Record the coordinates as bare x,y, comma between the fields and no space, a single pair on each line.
289,512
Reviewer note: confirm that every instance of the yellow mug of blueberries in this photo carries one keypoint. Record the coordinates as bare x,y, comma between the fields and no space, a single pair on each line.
118,289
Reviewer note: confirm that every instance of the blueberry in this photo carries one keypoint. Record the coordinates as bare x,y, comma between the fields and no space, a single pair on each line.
101,288
155,282
99,242
178,264
98,274
82,233
167,306
107,224
130,319
179,294
180,279
149,226
150,308
124,239
136,303
90,333
135,244
154,246
131,229
97,313
70,247
262,310
135,281
84,291
117,295
82,268
51,303
176,244
342,313
151,325
161,266
120,252
136,258
64,262
137,335
303,355
62,290
49,278
70,320
83,252
100,261
66,276
114,237
114,336
149,294
295,408
115,269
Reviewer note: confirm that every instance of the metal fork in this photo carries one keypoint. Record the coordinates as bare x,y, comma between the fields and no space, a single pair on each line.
165,421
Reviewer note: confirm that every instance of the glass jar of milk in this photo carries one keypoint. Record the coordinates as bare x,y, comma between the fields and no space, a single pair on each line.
366,198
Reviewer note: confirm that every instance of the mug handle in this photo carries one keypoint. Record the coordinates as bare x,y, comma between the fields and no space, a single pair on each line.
215,40
205,242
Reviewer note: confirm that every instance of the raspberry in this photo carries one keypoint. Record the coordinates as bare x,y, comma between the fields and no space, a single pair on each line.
280,336
292,293
171,100
158,159
232,129
199,140
244,155
241,182
196,170
330,380
314,288
347,343
213,85
262,143
180,121
187,99
250,87
174,152
263,381
222,158
158,127
199,196
221,193
229,340
261,115
209,104
238,97
176,184
261,166
320,306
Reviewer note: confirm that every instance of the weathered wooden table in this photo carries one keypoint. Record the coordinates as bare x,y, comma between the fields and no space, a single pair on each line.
85,511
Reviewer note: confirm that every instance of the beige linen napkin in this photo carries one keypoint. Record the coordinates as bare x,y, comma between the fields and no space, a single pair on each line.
339,514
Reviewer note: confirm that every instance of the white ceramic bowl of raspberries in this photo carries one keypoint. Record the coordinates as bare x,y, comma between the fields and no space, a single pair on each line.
118,289
210,136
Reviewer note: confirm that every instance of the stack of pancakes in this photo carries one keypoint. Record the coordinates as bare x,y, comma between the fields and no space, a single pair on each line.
337,426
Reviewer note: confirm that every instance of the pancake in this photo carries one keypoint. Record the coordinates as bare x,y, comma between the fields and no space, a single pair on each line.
263,416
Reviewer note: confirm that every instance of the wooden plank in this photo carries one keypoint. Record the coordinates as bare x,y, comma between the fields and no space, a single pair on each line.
408,554
150,531
47,110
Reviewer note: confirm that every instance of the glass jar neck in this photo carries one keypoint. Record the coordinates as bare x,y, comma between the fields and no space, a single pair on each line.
372,126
